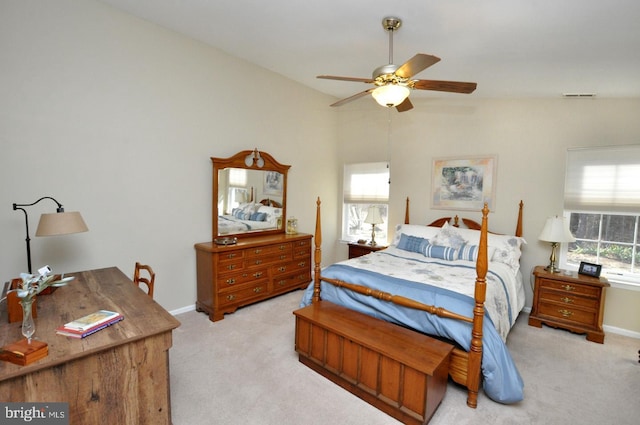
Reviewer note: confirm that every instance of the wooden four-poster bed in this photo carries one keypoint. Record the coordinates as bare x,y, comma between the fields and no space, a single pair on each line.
344,343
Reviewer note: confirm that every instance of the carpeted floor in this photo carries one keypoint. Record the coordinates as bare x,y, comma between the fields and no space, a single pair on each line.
244,370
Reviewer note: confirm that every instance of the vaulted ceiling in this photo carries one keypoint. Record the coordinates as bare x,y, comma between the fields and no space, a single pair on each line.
524,48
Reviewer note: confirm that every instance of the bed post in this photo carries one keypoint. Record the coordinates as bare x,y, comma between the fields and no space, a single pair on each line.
475,352
519,223
317,258
406,212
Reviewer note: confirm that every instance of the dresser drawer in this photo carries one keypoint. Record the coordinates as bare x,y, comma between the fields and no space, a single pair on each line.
272,258
260,251
236,279
231,255
293,266
242,294
230,266
285,282
572,288
568,298
584,317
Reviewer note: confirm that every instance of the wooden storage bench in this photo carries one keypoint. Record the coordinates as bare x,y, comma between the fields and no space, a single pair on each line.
399,371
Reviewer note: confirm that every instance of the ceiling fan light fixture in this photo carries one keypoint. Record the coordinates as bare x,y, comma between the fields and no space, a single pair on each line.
390,95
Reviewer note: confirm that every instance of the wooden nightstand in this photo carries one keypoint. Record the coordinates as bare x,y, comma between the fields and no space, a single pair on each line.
574,302
358,250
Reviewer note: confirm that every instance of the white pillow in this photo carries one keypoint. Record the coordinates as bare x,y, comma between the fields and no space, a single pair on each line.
272,213
449,236
417,230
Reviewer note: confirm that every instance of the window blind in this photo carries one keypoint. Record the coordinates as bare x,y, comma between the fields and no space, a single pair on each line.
604,179
366,183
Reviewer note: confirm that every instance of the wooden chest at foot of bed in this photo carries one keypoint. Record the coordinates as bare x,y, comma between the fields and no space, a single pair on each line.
399,371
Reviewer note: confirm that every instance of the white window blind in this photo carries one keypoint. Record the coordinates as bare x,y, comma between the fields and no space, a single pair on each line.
366,183
605,179
237,177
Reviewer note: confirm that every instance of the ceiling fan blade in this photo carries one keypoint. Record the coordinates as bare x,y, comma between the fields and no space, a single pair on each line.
449,86
356,79
405,105
352,98
416,64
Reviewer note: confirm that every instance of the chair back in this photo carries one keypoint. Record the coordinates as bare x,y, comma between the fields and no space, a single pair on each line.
144,274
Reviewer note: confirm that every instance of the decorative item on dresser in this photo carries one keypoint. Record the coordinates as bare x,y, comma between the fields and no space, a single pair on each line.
262,261
574,302
360,249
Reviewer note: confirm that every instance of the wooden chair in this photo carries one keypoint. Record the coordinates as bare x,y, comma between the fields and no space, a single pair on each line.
140,277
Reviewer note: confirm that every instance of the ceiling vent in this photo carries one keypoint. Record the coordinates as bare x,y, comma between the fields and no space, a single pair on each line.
578,95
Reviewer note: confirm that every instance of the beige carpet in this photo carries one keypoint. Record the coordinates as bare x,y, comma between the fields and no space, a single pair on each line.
243,370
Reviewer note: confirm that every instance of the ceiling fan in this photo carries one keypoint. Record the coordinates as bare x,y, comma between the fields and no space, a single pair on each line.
393,83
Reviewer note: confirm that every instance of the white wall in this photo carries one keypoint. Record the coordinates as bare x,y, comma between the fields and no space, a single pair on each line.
117,118
530,138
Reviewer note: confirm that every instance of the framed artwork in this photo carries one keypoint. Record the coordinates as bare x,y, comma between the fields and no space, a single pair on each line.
464,183
273,183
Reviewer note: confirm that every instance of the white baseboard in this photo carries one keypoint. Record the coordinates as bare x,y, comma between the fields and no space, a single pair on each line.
184,309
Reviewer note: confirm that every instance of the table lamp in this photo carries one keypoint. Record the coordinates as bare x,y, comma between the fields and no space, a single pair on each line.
58,223
556,230
373,218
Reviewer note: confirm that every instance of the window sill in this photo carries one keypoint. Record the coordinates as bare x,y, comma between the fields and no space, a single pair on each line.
618,282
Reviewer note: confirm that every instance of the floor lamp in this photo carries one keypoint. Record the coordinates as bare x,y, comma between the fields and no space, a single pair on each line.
58,223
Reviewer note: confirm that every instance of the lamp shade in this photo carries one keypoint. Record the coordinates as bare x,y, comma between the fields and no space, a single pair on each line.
62,223
373,216
556,229
390,95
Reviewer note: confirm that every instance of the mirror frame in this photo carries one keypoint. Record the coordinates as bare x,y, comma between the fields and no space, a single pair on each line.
260,161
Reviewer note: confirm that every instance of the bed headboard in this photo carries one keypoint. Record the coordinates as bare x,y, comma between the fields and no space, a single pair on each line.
469,223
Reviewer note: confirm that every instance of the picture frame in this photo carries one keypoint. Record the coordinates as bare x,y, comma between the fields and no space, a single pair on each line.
273,183
590,269
464,183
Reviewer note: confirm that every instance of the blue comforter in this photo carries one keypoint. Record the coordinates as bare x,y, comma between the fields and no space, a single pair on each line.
502,381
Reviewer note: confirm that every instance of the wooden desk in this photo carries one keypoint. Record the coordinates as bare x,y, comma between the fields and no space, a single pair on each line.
119,375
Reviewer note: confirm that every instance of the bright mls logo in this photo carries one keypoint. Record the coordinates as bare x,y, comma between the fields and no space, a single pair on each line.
34,413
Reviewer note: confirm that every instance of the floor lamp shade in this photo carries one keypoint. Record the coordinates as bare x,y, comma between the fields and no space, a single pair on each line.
63,223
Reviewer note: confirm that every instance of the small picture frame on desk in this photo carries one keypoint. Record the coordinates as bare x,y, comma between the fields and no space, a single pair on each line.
590,269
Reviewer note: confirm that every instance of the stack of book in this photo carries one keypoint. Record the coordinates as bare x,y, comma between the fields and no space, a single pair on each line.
89,324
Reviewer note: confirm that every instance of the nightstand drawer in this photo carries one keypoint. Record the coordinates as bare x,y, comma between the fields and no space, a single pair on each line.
570,299
584,317
569,287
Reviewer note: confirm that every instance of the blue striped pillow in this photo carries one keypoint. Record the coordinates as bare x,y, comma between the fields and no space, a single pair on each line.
441,252
412,243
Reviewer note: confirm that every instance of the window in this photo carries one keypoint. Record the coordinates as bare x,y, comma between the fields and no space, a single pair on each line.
602,202
364,185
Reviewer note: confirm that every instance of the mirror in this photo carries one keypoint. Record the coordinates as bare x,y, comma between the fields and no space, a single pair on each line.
249,194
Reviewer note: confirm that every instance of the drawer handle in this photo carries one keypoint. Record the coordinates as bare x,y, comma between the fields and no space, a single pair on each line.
568,287
257,251
566,300
282,283
282,269
282,257
282,247
257,289
231,266
565,313
231,255
231,297
257,274
302,263
258,262
231,281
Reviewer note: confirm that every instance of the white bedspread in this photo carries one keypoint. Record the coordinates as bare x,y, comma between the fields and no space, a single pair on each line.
505,291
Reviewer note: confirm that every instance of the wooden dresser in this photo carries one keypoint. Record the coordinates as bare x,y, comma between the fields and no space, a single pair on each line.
574,302
254,269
